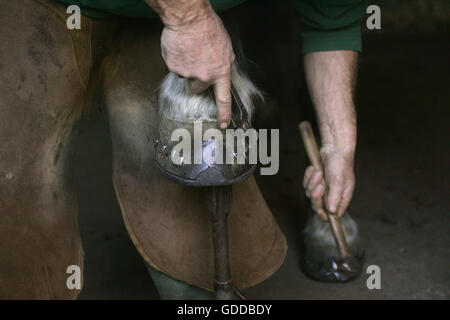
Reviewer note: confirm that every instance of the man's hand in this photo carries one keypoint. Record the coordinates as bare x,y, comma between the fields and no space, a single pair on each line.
331,79
338,166
195,45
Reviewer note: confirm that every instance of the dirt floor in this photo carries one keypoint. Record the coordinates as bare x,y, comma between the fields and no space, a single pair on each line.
401,202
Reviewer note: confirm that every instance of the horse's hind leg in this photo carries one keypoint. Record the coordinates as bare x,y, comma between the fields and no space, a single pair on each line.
41,98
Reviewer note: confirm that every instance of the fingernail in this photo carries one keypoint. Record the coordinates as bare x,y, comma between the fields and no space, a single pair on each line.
333,208
223,125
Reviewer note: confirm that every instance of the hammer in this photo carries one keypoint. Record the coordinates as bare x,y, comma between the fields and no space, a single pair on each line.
314,157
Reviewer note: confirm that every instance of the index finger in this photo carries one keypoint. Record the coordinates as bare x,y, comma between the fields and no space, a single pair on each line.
222,91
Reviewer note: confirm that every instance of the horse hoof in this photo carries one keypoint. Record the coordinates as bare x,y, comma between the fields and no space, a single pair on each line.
320,260
334,269
213,162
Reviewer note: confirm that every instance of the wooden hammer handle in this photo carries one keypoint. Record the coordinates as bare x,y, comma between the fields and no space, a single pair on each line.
314,157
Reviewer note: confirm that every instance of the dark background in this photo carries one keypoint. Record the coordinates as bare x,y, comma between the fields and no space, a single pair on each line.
401,202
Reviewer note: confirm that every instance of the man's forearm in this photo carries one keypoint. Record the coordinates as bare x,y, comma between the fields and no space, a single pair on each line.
331,78
179,13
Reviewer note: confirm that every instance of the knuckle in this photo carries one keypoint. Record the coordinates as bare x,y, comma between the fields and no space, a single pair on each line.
311,183
225,69
316,195
308,172
315,175
314,190
224,100
203,77
319,193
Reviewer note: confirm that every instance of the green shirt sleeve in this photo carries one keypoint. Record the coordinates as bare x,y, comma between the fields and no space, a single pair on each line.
131,8
329,25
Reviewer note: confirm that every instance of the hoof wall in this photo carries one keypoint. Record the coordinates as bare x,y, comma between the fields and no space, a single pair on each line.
333,269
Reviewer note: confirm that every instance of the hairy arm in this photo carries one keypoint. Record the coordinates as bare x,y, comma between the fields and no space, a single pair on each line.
331,78
178,13
195,45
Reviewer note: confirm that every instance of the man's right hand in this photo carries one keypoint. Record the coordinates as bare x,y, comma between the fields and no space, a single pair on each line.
196,46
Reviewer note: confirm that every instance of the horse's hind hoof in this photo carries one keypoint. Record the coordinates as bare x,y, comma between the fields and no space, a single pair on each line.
320,259
333,269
